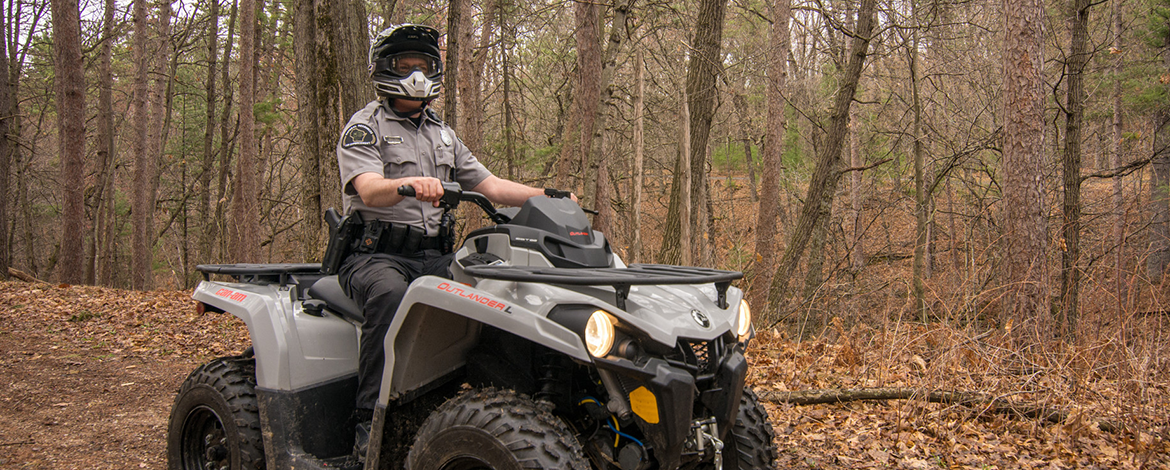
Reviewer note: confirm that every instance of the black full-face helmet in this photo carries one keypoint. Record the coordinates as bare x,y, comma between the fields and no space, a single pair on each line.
405,63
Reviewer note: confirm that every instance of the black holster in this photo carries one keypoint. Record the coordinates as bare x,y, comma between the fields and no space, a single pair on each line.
342,231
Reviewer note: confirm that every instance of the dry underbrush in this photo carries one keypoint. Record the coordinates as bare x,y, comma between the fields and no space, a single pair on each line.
1098,404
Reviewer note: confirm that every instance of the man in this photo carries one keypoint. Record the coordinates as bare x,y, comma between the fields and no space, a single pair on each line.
396,141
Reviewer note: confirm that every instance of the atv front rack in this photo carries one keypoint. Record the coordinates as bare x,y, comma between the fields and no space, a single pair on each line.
620,278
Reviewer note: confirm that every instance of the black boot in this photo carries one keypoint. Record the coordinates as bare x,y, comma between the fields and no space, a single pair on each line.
361,441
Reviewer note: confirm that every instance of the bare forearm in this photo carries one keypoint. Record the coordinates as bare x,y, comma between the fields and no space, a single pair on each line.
377,191
505,192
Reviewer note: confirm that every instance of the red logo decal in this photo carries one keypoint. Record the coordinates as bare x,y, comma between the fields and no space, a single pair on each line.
482,300
231,295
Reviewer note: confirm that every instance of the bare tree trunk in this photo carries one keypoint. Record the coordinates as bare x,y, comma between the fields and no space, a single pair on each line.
145,165
455,46
97,263
921,198
857,254
771,156
206,237
16,59
71,135
330,104
1159,252
1118,197
575,148
741,108
826,175
685,213
26,211
244,230
389,9
676,234
1025,236
1070,274
813,278
305,50
470,85
353,49
156,132
6,127
226,140
639,150
598,165
508,36
703,71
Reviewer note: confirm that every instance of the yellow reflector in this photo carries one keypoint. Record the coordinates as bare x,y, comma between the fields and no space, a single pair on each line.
644,404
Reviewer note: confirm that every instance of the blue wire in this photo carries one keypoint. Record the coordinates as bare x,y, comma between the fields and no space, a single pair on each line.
589,399
627,436
609,425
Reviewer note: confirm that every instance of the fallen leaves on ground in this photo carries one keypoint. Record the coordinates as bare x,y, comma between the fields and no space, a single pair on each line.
91,372
916,434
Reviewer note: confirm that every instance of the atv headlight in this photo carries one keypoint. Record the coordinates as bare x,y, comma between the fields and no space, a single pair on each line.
599,334
745,320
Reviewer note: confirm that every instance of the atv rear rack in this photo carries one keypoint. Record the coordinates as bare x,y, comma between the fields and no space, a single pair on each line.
620,278
275,273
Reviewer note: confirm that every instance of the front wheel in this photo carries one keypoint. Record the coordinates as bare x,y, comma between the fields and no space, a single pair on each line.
496,430
751,443
215,422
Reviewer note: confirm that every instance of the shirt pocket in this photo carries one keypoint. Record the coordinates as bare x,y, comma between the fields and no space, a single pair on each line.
445,162
399,161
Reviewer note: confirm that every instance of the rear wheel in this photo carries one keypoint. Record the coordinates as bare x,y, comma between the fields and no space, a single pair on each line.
751,443
215,422
497,430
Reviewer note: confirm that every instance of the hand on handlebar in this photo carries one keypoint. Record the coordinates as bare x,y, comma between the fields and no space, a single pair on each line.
426,189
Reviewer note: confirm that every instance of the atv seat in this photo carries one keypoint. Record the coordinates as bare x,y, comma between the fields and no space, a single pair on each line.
329,290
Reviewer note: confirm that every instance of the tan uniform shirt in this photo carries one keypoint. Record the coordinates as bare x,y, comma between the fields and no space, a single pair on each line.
376,140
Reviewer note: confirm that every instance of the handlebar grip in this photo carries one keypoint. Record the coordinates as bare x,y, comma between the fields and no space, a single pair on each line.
407,191
556,193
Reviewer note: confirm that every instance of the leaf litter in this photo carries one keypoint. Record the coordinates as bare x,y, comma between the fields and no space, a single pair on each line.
89,375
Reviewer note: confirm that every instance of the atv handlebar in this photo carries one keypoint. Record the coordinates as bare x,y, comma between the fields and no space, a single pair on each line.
453,194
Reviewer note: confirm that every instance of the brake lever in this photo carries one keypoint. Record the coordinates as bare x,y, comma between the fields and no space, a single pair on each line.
559,194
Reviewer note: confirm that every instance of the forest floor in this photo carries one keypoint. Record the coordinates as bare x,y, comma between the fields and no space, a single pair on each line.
88,376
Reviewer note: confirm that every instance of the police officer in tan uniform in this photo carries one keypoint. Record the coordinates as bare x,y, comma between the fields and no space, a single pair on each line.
396,141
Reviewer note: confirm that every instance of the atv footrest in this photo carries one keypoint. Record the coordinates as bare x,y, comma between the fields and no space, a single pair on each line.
619,278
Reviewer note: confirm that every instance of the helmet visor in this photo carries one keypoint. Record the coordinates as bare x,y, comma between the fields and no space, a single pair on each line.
405,63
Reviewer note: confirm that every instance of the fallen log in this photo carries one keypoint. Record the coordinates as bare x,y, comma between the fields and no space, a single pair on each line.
26,277
969,399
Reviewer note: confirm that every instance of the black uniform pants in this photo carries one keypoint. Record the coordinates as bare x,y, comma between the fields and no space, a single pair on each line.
377,282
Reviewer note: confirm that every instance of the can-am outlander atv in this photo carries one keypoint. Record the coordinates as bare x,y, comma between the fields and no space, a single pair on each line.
544,351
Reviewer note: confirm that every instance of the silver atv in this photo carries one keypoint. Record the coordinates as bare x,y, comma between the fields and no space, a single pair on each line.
542,351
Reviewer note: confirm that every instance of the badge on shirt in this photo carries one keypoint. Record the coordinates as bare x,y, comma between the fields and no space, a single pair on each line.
358,134
443,134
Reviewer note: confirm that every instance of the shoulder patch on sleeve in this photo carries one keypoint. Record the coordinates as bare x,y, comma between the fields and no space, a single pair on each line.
358,134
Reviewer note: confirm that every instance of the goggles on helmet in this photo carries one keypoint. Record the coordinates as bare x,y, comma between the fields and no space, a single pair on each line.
403,64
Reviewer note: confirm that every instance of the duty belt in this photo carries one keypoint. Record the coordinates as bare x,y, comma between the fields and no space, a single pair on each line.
395,239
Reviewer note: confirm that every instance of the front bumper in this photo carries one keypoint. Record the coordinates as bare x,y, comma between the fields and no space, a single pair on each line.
674,390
